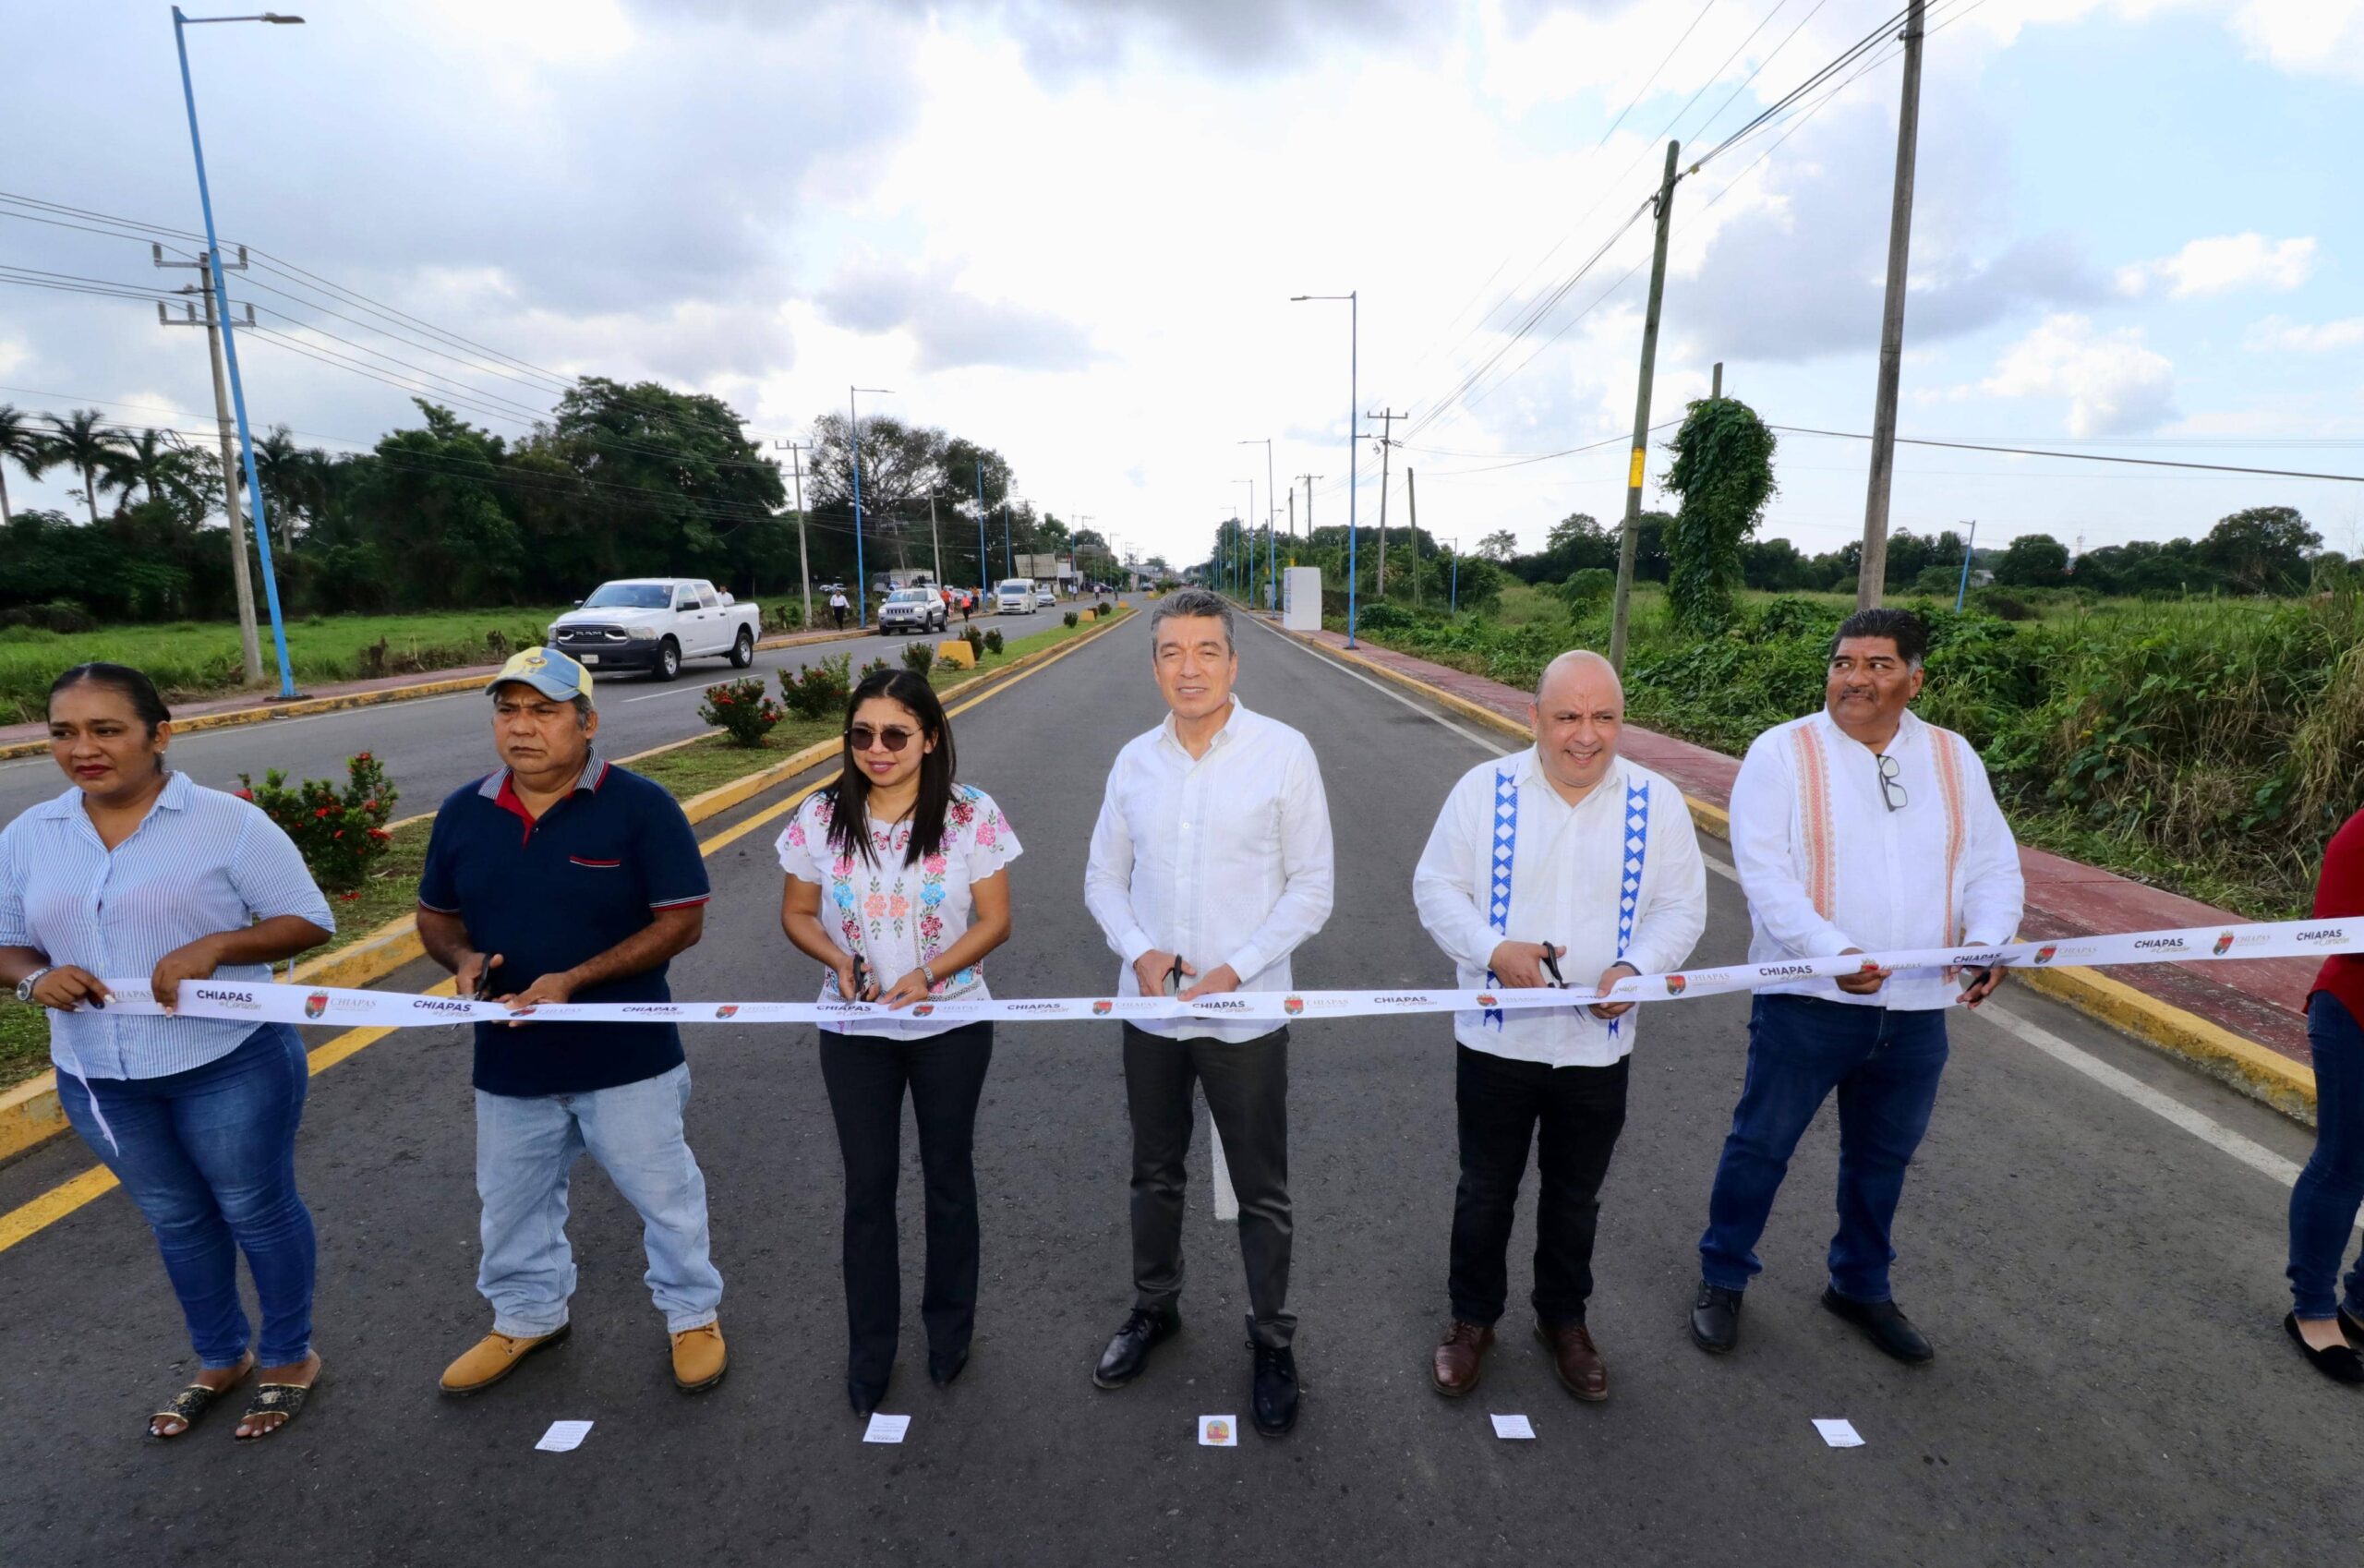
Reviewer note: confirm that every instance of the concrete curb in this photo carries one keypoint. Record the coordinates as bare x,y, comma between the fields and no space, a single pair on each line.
2209,1048
30,1116
234,717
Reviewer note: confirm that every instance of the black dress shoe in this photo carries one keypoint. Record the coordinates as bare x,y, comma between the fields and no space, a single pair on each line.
1128,1352
942,1369
2340,1363
1273,1400
1714,1319
864,1397
1884,1325
2351,1324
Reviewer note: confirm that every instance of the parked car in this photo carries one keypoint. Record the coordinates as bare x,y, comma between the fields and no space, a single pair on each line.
912,610
1014,596
653,623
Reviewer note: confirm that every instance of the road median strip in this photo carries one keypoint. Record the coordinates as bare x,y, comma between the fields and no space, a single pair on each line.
30,1112
2207,1047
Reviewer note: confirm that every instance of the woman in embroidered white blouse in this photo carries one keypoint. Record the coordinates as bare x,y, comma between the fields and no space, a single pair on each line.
895,881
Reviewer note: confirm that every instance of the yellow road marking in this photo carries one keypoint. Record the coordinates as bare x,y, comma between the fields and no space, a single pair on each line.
29,1219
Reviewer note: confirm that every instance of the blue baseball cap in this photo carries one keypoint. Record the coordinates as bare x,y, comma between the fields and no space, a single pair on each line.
547,671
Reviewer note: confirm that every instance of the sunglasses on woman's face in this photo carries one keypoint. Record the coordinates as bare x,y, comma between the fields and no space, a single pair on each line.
894,737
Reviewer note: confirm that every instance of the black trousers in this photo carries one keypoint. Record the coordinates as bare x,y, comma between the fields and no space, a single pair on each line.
866,1076
1499,1103
839,611
1247,1091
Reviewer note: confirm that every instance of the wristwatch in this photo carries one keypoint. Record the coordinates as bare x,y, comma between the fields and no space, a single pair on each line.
25,986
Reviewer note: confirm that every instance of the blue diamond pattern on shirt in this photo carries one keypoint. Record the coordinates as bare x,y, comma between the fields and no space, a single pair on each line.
1498,911
1629,891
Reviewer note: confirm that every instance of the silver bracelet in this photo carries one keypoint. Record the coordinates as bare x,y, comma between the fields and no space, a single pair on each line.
930,973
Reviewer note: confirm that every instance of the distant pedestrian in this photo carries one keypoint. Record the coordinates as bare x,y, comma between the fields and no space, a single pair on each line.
897,873
1565,852
837,605
1858,828
2323,1202
968,606
1210,863
560,877
139,870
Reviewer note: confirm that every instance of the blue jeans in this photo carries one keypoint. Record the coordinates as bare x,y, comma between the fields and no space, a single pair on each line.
209,1156
525,1145
1885,1063
2328,1192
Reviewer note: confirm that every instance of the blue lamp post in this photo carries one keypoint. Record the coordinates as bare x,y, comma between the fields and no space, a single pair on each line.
985,567
229,340
1354,447
1961,589
853,440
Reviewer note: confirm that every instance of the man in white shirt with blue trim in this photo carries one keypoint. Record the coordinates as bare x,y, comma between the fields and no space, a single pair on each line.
1211,862
1564,853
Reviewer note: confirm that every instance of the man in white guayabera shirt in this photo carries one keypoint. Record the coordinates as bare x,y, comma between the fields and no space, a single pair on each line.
1857,829
1211,862
1566,856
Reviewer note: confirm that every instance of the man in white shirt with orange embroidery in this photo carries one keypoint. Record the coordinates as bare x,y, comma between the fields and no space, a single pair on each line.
1565,852
1210,861
1857,829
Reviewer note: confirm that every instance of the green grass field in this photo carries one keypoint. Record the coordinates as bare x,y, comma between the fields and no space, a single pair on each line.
191,660
393,888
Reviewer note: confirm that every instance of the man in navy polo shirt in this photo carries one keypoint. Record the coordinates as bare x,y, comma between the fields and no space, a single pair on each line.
560,878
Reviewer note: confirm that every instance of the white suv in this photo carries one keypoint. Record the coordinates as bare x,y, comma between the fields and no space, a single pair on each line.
1014,596
912,610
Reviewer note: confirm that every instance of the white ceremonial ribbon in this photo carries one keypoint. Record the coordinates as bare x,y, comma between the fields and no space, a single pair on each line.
267,1003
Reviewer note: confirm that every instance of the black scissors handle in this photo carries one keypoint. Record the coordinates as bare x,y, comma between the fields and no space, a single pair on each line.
861,978
1174,977
1551,966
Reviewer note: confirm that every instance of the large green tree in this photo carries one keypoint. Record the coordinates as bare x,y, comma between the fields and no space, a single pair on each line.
2261,549
1723,471
84,442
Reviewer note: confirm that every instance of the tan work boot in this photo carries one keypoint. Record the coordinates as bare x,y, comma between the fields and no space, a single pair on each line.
492,1358
699,1357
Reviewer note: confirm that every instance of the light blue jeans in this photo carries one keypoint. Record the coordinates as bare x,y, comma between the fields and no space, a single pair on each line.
525,1145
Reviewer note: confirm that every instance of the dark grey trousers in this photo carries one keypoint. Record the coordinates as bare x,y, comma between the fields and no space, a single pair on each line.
1247,1091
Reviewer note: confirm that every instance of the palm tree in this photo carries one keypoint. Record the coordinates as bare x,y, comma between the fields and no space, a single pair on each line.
20,444
87,446
291,479
153,460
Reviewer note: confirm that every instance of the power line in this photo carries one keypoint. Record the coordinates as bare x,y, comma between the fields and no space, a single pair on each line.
1642,92
2078,456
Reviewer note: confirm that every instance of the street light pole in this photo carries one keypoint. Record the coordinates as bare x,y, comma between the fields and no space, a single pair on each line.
853,440
1271,515
984,566
230,342
1354,454
1961,589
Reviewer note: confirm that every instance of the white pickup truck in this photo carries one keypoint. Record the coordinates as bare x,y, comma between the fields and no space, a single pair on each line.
653,623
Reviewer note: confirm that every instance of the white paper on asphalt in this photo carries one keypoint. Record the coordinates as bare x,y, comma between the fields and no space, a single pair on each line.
564,1436
1838,1432
886,1429
1218,1431
1514,1426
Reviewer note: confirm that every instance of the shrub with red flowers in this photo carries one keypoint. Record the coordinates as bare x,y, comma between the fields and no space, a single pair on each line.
742,709
339,832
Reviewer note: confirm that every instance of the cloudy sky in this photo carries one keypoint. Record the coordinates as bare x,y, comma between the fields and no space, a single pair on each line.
1070,229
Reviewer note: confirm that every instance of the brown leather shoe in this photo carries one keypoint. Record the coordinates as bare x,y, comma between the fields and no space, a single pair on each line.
493,1358
1576,1358
1454,1370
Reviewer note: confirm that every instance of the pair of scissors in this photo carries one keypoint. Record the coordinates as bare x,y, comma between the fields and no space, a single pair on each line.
1173,986
1551,966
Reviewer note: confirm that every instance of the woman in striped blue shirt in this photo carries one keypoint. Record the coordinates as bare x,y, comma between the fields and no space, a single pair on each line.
138,871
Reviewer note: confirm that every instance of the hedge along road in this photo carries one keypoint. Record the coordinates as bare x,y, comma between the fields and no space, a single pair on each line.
430,747
2059,1236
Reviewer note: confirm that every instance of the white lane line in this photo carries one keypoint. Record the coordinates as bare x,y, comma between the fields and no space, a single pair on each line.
2248,1150
1483,743
674,691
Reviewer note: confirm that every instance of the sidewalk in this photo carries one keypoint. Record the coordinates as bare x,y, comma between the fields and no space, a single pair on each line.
243,708
2260,1000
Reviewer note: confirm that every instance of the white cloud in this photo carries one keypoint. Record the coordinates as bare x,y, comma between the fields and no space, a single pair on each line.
2113,384
2274,335
2222,264
2318,37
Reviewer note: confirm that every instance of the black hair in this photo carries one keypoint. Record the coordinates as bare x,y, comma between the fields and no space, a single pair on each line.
1906,630
133,685
849,794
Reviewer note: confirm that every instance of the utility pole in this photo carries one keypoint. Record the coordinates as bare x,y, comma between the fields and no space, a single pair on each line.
1292,524
1308,479
1641,422
1716,388
984,562
803,562
1412,504
249,636
1871,577
1387,418
934,540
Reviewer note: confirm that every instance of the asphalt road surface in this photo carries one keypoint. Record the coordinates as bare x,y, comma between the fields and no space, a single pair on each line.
432,745
2092,1239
